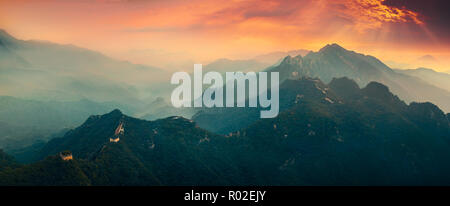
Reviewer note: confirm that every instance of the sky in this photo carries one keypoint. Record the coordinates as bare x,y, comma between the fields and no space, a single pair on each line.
174,33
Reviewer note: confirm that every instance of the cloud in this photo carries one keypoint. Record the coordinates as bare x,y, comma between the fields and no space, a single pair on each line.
307,15
435,14
229,28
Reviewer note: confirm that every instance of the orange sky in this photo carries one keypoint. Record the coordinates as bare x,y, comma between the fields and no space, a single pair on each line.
169,33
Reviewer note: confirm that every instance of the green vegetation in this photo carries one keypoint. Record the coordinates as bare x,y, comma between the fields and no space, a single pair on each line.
334,134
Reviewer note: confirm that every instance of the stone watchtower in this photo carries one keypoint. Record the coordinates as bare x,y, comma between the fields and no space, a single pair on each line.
119,131
66,155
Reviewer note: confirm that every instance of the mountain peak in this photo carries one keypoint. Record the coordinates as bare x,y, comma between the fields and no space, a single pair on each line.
332,47
114,115
292,60
377,87
428,110
344,81
425,69
427,58
115,112
344,86
381,92
3,33
5,36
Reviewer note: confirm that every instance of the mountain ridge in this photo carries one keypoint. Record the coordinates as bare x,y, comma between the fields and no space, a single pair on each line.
438,79
369,137
334,61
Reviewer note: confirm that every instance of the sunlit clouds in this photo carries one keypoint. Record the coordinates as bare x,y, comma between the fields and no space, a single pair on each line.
164,32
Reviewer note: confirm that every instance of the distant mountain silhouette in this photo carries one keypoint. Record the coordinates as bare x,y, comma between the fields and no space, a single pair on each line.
427,61
44,70
255,64
46,87
438,79
334,61
228,65
159,108
276,57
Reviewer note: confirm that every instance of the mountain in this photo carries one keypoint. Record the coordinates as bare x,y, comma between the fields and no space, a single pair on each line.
370,138
334,61
335,134
427,58
228,65
255,64
276,57
291,91
44,70
225,120
159,108
23,122
438,79
47,87
427,61
171,151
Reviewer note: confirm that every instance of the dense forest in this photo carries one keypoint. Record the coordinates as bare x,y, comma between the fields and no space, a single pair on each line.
326,134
